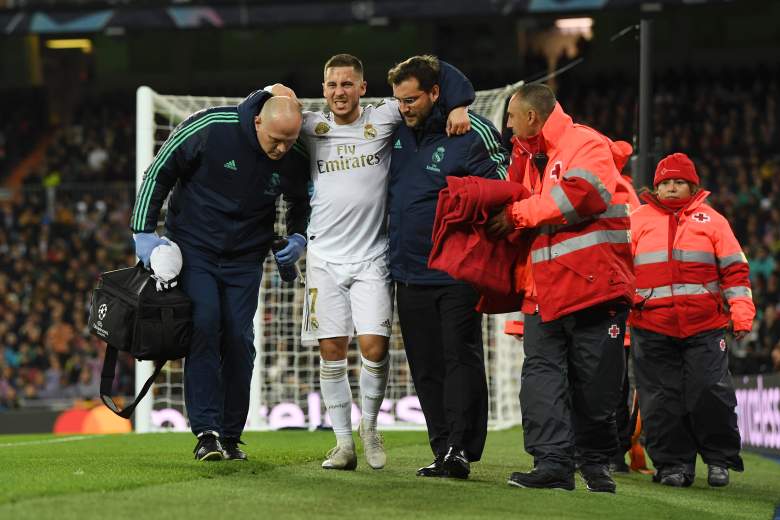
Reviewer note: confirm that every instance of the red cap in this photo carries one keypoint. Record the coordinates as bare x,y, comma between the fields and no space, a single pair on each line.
675,166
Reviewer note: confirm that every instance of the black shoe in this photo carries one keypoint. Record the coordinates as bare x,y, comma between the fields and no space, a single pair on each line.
434,469
542,477
597,478
456,464
717,476
208,447
618,464
231,449
674,476
673,480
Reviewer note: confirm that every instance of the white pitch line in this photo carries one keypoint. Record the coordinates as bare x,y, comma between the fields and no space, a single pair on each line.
50,441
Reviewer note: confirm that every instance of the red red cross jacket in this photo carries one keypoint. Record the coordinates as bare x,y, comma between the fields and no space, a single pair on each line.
686,265
581,254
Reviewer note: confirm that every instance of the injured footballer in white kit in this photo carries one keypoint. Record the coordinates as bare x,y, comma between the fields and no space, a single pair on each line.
349,291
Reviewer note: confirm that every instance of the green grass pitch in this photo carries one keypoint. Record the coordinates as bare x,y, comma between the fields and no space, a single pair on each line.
154,476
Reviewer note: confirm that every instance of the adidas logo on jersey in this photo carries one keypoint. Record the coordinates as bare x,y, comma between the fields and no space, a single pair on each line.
231,165
397,145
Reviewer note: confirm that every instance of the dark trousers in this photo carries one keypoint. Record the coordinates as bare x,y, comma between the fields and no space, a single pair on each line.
571,384
623,418
218,370
687,399
443,340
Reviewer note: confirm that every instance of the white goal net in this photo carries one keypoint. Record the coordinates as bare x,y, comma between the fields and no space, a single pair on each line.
285,382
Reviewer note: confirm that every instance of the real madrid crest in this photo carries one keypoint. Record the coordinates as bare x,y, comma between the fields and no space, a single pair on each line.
438,155
369,131
321,129
436,158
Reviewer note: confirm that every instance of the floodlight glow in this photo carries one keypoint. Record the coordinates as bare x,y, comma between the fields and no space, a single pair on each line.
574,24
71,43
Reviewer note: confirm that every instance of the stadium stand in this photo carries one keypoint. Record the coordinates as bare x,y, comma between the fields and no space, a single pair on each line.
65,226
46,275
93,148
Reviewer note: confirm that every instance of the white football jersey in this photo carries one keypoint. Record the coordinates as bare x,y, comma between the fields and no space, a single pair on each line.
349,171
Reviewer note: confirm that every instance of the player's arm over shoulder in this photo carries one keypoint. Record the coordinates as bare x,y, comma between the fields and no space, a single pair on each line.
486,156
384,111
315,125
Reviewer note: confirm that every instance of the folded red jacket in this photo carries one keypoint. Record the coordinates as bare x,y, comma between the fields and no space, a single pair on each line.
462,249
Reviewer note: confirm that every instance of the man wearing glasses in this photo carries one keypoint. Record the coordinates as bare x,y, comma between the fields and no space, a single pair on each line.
441,330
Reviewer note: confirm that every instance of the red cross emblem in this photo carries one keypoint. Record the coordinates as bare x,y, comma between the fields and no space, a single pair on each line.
701,217
614,331
555,172
723,345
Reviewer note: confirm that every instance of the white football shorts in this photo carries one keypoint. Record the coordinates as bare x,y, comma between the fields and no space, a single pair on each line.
347,299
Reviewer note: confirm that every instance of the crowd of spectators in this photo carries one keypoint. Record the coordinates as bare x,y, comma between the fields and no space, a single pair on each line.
64,227
49,262
52,248
94,146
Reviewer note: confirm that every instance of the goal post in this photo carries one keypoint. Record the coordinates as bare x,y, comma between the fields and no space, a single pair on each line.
144,154
285,382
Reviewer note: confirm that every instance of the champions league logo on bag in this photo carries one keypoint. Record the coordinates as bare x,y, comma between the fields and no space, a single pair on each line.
98,325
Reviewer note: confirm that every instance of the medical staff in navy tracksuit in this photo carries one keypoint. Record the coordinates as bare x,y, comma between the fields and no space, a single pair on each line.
226,166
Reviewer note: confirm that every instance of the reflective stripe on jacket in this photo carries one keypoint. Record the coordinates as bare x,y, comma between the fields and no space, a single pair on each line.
581,255
686,265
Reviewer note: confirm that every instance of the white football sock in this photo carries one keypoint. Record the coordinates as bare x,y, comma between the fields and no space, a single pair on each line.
373,382
337,396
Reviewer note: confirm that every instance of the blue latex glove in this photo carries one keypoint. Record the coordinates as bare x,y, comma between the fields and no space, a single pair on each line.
293,251
145,244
